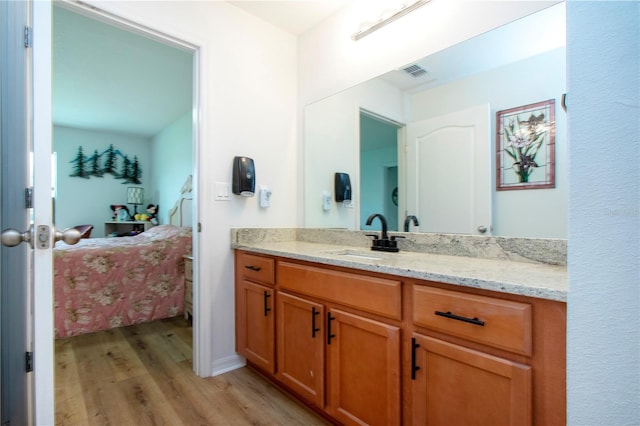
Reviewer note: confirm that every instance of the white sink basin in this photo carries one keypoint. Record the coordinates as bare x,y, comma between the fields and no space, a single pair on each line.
357,254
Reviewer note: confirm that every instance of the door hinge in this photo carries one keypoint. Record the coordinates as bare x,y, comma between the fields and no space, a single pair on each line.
28,198
28,37
29,362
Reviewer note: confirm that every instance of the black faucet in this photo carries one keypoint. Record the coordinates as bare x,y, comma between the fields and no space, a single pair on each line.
384,243
408,220
383,221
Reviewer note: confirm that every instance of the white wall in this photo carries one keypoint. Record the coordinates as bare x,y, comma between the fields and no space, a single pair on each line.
525,82
82,201
247,94
171,163
603,342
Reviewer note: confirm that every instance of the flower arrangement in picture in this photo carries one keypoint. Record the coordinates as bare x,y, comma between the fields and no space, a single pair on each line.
525,139
526,147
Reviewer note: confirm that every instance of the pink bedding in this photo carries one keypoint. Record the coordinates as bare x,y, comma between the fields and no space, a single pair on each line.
102,283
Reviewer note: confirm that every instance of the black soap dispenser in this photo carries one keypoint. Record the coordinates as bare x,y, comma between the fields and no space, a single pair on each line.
244,177
342,187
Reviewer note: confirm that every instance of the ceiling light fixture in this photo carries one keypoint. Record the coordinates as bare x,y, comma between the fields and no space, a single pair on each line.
406,8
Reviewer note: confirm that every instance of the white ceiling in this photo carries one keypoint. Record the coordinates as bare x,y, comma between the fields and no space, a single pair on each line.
293,16
105,78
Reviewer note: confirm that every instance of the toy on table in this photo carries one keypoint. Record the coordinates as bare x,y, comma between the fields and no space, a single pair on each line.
120,213
150,215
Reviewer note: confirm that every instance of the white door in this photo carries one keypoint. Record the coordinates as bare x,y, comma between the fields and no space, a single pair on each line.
27,292
14,179
449,172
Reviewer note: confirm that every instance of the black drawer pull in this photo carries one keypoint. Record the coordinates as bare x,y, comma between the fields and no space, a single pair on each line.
474,321
414,367
329,335
253,268
314,329
266,303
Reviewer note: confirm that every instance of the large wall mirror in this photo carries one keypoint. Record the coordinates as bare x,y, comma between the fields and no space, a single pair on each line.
421,140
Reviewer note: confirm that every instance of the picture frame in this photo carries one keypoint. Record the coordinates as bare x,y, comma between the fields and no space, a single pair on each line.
525,147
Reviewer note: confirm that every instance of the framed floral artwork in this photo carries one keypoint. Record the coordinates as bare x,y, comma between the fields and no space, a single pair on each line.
525,147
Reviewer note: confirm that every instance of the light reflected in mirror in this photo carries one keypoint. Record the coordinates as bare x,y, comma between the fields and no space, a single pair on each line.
374,132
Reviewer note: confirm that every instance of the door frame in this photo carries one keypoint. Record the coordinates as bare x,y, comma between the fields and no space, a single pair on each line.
200,353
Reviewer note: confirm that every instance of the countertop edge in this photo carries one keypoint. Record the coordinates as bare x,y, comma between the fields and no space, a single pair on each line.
319,253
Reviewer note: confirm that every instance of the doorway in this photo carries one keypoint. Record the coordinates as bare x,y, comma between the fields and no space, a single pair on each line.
165,132
379,192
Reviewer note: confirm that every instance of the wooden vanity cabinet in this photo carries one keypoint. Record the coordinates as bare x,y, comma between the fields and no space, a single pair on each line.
370,349
323,343
300,346
454,385
363,370
255,316
475,359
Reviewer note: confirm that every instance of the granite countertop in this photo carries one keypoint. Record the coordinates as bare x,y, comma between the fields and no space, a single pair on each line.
540,280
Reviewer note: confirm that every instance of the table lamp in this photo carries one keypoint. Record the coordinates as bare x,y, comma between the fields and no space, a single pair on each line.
135,196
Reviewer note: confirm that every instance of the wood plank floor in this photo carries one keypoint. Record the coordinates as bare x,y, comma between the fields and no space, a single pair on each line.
141,375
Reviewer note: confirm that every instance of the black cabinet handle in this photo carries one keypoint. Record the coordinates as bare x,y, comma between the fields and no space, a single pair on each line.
253,268
414,367
266,303
314,314
474,321
329,335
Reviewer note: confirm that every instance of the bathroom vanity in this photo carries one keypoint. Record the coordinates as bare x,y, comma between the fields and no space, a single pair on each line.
402,338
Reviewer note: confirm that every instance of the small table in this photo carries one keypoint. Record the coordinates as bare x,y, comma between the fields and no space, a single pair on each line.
114,228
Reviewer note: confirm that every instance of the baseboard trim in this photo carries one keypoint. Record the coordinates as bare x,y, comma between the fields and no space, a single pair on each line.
224,365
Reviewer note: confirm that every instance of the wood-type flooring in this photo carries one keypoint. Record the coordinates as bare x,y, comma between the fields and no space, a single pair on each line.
142,375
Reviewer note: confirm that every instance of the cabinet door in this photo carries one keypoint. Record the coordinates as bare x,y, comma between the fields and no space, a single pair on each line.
300,346
458,386
363,370
255,324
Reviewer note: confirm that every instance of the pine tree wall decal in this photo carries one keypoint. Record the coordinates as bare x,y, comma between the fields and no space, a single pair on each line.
96,170
126,170
85,167
136,172
110,163
79,166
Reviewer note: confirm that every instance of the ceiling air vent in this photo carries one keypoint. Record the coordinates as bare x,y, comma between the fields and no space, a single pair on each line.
415,70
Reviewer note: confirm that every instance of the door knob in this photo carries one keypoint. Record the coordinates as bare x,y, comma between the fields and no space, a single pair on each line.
69,236
482,229
12,237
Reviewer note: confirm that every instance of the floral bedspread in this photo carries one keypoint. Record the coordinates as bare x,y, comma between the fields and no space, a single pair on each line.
102,283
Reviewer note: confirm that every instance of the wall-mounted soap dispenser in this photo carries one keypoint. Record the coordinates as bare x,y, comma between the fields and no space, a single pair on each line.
342,187
244,177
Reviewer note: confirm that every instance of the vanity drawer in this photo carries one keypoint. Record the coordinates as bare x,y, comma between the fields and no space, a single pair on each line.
255,268
370,294
491,321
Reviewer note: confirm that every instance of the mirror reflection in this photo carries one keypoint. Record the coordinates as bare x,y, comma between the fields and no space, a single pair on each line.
419,142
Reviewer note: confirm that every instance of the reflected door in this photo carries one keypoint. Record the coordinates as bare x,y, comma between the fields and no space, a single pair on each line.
449,171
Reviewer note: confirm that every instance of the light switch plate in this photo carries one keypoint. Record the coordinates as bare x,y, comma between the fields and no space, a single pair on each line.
264,196
221,191
326,200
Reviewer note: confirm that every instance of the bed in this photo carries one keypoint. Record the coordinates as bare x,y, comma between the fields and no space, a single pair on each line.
102,283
